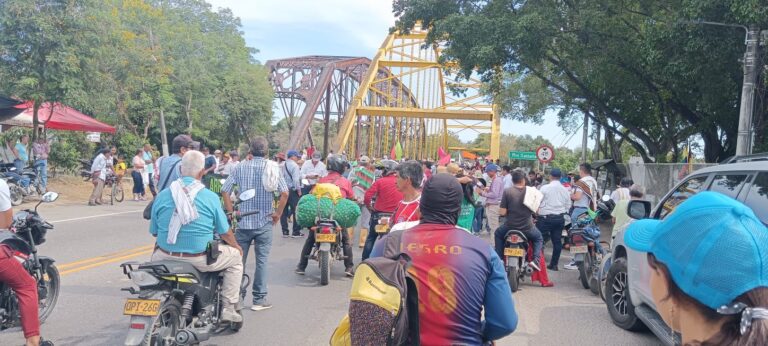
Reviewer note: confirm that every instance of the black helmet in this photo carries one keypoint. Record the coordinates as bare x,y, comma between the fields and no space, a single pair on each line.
388,167
336,164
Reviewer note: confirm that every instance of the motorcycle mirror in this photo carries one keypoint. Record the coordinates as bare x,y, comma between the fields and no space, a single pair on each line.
222,181
247,194
50,196
606,198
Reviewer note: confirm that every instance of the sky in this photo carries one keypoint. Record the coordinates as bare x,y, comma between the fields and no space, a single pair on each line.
291,28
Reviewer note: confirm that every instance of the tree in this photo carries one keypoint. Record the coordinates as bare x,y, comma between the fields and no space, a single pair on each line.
648,80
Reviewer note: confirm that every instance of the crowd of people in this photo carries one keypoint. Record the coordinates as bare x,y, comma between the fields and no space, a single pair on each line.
466,298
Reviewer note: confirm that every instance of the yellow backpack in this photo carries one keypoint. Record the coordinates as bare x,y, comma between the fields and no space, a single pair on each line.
327,190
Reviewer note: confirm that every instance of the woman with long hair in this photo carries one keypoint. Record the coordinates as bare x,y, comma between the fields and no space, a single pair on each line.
137,174
709,270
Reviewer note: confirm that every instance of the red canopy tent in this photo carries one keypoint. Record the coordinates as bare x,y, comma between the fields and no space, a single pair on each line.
62,118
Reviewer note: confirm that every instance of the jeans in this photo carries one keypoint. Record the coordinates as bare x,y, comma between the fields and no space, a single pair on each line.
23,181
477,224
552,227
372,235
576,212
41,166
288,211
533,235
19,164
13,274
151,182
310,242
262,240
138,184
229,263
492,212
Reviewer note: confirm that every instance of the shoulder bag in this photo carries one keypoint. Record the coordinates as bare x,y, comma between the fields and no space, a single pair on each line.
148,209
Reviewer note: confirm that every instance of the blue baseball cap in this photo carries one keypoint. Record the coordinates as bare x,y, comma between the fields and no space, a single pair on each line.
555,172
715,248
292,153
491,168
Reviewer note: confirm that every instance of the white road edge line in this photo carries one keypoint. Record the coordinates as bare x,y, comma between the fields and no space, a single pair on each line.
96,216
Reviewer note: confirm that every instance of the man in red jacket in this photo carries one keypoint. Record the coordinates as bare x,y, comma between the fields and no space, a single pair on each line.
387,197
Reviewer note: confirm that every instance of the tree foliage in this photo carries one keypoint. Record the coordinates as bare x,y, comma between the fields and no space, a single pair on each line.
637,68
126,61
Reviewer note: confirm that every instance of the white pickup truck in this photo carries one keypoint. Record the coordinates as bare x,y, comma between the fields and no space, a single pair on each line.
626,289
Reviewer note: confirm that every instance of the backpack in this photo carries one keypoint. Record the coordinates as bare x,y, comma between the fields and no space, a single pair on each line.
271,177
384,301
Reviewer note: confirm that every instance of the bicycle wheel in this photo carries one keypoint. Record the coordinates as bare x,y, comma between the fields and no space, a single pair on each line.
118,192
112,195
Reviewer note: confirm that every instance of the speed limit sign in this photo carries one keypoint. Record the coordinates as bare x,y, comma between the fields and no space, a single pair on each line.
545,153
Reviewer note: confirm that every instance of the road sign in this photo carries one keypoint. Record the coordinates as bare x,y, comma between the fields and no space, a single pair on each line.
522,155
545,153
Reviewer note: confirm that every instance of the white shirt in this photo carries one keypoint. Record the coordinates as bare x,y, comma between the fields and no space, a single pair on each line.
308,168
100,165
5,196
557,199
620,194
507,181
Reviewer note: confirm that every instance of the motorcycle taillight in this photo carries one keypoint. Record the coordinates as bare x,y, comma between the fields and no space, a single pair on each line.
577,239
325,230
515,239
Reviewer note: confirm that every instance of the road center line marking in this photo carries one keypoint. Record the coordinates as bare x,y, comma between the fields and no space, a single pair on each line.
111,260
96,216
106,256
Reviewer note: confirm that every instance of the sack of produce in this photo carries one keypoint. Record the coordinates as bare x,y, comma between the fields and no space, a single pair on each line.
345,212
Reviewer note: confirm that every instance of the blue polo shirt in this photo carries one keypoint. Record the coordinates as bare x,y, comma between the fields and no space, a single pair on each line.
193,237
22,149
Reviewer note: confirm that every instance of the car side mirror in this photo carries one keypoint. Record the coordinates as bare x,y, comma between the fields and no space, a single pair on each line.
639,209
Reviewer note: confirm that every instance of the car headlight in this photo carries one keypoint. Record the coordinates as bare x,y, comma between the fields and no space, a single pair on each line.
142,278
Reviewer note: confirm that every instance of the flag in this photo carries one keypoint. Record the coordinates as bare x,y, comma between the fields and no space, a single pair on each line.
440,152
468,155
397,151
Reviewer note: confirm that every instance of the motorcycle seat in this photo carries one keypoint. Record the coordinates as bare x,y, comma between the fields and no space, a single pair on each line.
173,267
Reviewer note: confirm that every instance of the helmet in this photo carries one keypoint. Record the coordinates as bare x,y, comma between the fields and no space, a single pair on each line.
388,167
337,164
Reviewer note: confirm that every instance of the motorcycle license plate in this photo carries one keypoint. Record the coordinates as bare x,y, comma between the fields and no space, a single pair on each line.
325,238
382,228
141,307
579,249
513,252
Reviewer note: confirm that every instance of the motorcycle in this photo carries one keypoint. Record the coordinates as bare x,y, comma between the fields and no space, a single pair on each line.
176,303
28,230
85,169
17,193
585,245
328,245
516,258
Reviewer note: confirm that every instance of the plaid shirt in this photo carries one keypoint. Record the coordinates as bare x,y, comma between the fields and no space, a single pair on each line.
247,175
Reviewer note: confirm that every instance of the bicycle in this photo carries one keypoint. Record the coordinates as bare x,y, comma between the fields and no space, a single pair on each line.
116,192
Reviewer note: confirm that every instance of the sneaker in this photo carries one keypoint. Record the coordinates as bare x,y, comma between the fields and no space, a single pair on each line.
297,235
44,342
534,266
571,266
263,305
230,315
552,268
285,235
299,271
350,272
548,284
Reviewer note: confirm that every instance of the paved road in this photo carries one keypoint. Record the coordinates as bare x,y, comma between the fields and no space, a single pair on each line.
89,243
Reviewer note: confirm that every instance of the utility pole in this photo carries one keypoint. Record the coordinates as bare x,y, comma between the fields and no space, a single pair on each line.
751,58
585,137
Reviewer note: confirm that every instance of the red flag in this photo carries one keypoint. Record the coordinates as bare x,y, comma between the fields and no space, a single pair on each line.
440,152
444,160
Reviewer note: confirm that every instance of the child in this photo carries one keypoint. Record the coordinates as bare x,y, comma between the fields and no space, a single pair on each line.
120,168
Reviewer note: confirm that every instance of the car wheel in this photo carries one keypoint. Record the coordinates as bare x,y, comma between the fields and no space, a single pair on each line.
617,297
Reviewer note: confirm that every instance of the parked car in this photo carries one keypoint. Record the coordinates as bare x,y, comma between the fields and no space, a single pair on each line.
626,289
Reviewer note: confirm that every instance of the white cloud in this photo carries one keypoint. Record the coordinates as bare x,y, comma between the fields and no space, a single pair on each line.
365,21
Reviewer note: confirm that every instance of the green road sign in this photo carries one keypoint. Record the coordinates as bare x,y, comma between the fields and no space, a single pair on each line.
522,155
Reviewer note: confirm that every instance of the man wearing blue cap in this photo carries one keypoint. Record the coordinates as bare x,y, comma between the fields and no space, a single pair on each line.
292,176
709,270
551,220
493,194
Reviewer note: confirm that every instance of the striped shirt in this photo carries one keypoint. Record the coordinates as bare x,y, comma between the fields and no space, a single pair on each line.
363,177
247,175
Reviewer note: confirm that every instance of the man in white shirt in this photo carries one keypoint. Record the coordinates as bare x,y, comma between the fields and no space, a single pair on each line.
551,220
312,171
506,173
99,175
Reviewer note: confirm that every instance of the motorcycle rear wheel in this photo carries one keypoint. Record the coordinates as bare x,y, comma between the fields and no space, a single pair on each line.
514,278
325,267
52,282
170,316
584,270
